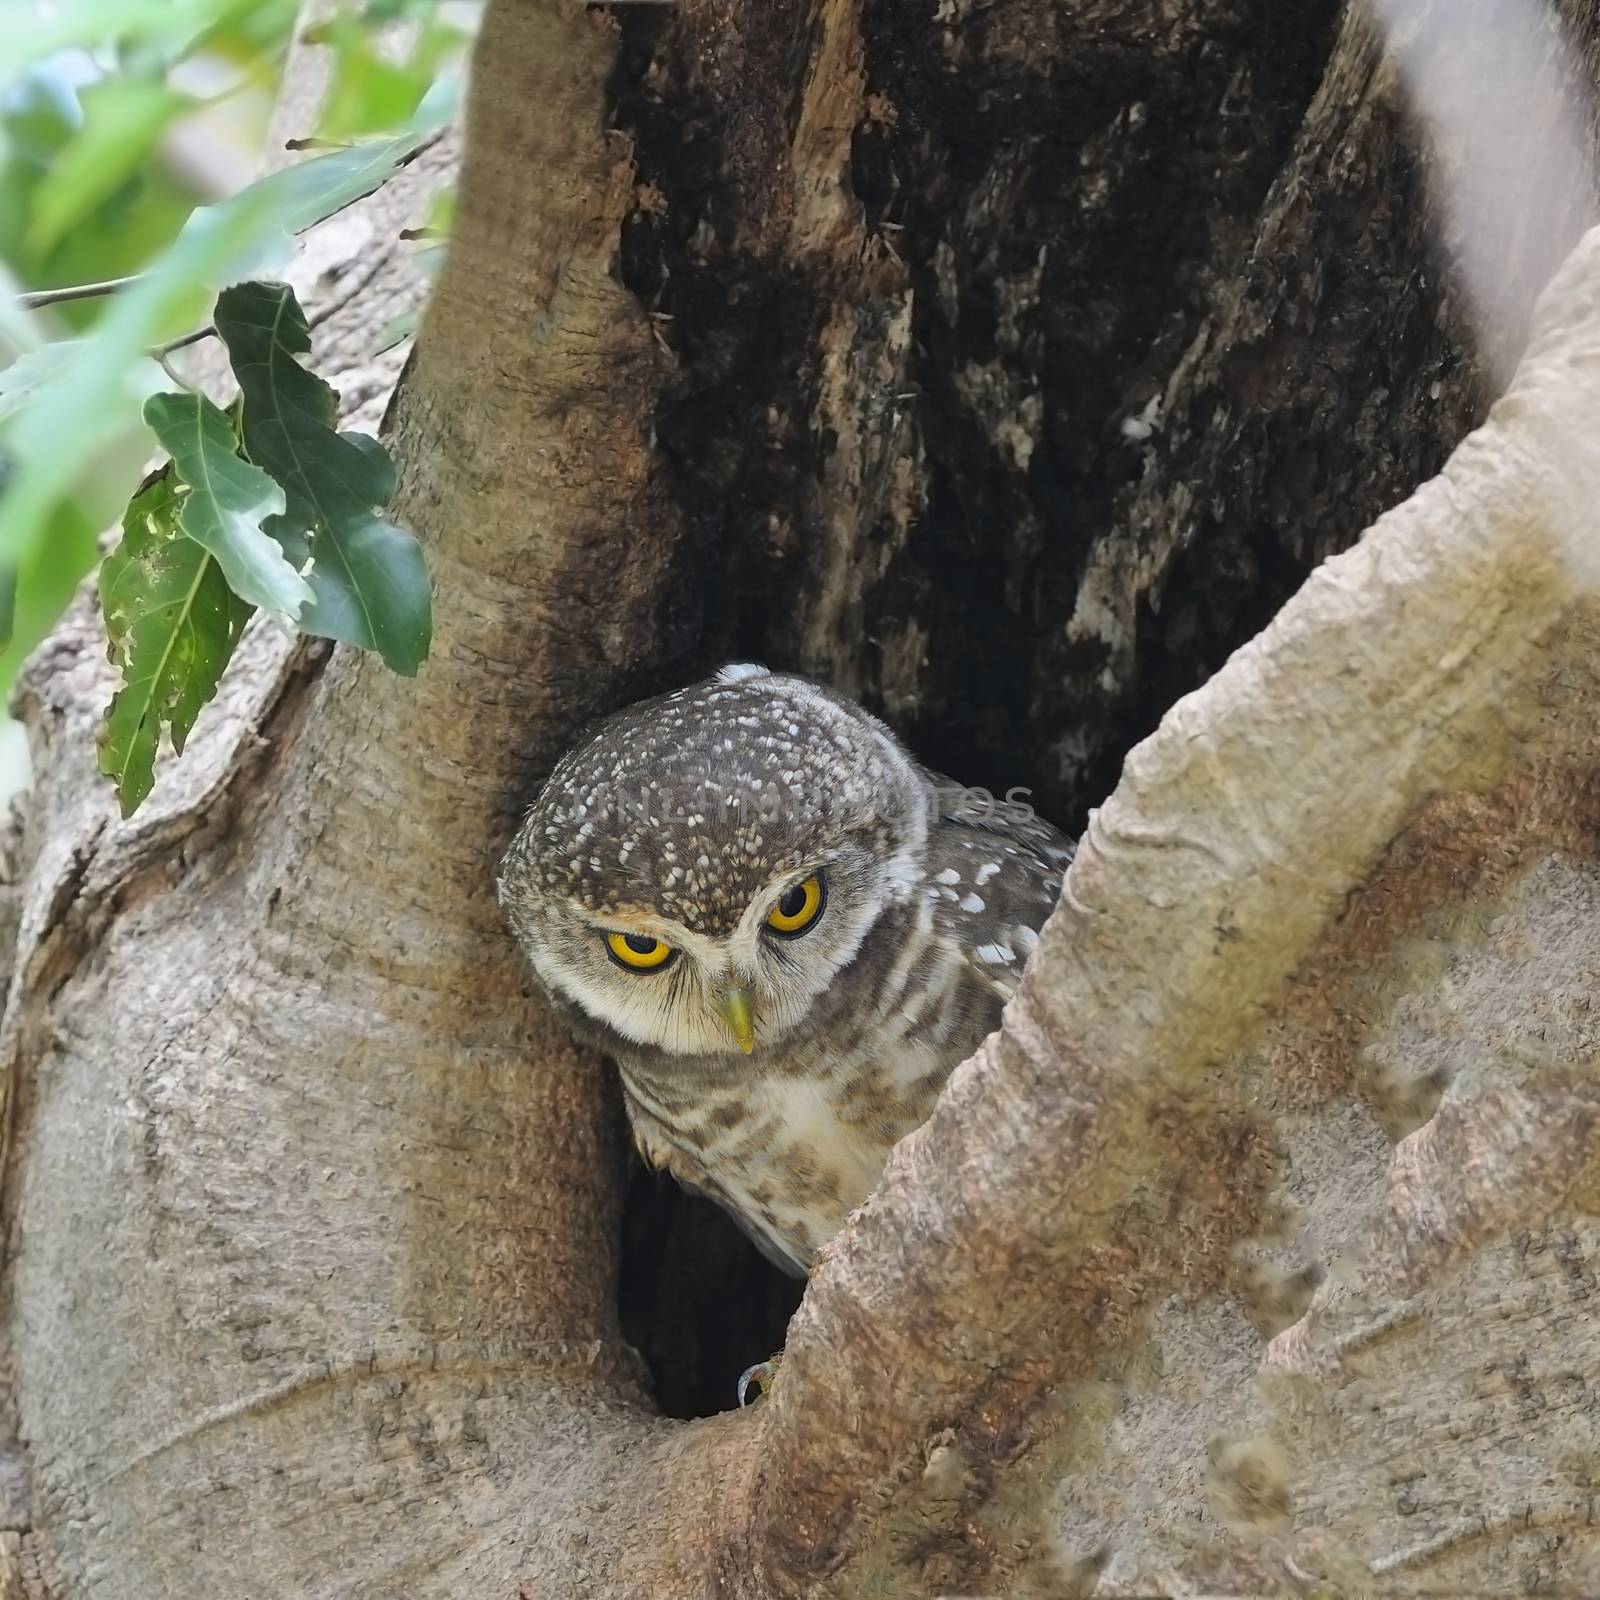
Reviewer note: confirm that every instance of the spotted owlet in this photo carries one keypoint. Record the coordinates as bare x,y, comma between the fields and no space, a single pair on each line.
784,930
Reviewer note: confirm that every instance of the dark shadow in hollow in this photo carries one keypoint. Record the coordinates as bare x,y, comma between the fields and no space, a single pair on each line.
698,1301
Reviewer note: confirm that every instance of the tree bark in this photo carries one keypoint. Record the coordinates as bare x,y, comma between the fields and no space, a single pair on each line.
1010,367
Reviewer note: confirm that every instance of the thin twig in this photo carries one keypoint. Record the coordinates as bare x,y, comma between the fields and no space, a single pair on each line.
160,357
33,299
207,332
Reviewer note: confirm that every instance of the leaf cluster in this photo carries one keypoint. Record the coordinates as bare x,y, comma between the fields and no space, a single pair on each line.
111,115
267,506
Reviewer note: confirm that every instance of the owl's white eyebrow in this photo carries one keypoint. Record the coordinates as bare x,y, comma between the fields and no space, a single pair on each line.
649,927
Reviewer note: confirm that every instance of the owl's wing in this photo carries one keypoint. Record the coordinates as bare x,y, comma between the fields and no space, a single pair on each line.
660,1154
995,868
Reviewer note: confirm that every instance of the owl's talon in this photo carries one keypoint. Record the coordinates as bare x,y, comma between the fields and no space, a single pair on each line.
763,1374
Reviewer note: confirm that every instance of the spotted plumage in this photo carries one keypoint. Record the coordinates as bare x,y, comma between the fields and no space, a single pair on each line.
785,932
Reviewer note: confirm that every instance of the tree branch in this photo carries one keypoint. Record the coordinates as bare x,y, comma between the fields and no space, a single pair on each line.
36,299
465,1332
995,1273
348,1301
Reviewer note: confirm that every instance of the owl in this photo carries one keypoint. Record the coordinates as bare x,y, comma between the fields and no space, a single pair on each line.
784,931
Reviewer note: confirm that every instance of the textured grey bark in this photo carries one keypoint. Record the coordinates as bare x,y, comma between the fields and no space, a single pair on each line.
1257,1254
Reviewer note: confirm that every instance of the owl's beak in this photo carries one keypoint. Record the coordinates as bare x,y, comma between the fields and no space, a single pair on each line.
733,1006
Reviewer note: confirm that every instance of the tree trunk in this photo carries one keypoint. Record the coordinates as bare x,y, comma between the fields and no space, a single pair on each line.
1010,367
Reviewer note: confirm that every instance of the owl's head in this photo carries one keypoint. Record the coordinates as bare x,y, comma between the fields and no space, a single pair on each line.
697,871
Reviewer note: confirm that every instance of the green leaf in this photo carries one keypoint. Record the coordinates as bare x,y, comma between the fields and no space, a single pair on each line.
161,30
368,576
396,331
32,32
41,111
379,13
252,35
367,93
228,500
31,372
89,399
124,118
442,211
8,604
298,197
370,90
173,623
373,592
46,582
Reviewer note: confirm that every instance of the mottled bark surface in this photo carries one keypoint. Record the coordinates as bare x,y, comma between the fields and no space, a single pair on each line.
1009,365
1029,356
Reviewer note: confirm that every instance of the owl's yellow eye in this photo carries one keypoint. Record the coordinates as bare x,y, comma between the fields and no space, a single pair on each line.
798,907
638,952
